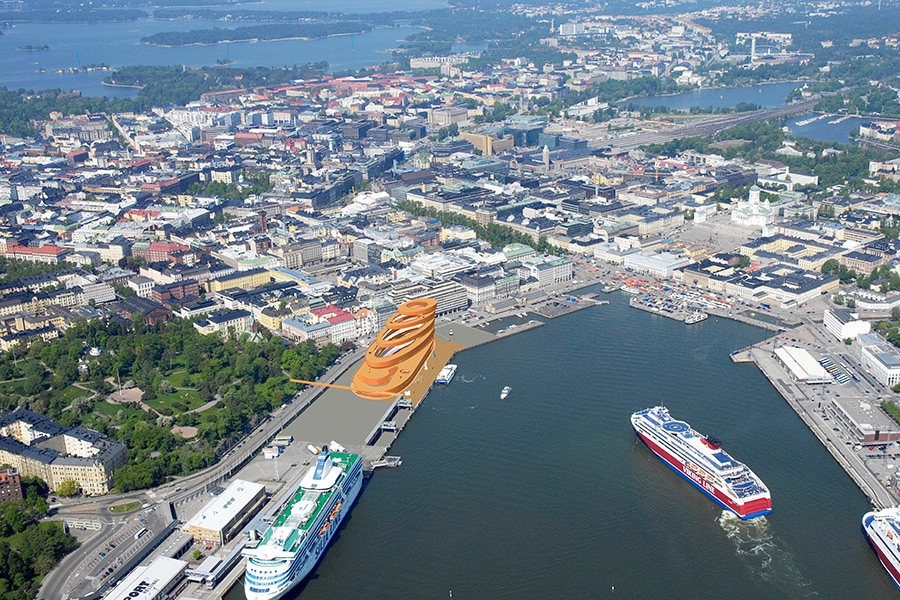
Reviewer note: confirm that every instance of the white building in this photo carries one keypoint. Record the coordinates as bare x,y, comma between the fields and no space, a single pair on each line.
843,324
231,510
661,265
150,582
142,286
801,365
881,360
753,212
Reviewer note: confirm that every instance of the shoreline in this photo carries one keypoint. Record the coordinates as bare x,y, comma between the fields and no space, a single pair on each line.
122,85
255,40
710,87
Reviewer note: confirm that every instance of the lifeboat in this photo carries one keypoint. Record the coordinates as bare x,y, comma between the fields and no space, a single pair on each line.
324,528
335,511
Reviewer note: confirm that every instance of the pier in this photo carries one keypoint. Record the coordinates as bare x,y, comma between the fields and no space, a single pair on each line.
812,406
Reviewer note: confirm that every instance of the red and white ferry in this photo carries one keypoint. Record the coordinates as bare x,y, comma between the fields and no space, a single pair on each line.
702,461
882,527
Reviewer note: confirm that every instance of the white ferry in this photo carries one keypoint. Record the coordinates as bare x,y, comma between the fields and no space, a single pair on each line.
298,537
446,374
702,461
882,527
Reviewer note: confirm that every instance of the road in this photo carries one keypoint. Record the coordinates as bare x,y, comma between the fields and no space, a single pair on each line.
86,565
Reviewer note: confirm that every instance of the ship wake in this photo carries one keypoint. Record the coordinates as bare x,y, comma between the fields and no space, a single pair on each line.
471,379
764,554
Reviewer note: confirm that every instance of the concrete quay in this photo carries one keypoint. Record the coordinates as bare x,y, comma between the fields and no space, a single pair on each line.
808,402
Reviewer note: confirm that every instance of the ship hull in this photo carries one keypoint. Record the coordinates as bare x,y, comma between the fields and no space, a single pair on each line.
307,566
748,510
890,563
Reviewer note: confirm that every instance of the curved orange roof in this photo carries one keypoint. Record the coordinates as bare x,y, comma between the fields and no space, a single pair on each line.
395,358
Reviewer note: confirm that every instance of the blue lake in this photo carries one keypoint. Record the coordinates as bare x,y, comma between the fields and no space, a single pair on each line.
767,95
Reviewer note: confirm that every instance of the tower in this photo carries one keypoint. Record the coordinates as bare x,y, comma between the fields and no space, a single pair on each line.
546,157
753,49
263,225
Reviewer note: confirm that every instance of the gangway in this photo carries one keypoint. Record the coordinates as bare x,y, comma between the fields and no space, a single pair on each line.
389,426
387,461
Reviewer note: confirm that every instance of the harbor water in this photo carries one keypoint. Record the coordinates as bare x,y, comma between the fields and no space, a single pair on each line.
767,95
550,494
116,44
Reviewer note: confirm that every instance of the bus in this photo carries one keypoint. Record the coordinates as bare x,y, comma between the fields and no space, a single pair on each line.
140,533
283,440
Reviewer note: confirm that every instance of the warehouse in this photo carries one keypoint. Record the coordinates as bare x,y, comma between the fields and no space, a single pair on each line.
801,365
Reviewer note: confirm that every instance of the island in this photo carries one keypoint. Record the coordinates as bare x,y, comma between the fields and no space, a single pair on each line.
255,33
31,48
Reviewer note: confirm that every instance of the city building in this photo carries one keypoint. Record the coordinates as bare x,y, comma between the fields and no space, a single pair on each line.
10,485
37,446
221,519
150,582
801,366
844,324
225,323
882,361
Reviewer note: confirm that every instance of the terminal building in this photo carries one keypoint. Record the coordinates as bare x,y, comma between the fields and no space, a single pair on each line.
150,582
864,421
220,520
843,324
802,367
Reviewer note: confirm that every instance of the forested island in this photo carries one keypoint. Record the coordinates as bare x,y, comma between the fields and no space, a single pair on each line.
219,35
30,48
75,15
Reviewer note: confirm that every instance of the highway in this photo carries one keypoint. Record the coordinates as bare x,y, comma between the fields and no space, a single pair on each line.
80,572
705,127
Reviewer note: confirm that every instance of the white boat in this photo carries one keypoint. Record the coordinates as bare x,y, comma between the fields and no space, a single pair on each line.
696,317
446,374
505,392
304,526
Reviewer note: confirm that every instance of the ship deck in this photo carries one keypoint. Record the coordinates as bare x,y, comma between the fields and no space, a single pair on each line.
301,526
738,476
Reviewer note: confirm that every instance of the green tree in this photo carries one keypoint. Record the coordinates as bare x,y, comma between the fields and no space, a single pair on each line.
68,488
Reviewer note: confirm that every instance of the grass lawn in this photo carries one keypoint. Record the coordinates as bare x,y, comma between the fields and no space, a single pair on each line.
204,416
189,397
104,407
123,508
13,387
70,393
180,380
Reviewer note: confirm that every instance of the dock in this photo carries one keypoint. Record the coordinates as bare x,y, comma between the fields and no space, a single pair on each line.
801,398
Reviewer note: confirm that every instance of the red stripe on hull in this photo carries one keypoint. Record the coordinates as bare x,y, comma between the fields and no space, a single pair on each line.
888,565
741,509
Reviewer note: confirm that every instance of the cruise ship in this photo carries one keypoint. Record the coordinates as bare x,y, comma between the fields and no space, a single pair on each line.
882,527
301,531
446,374
702,461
